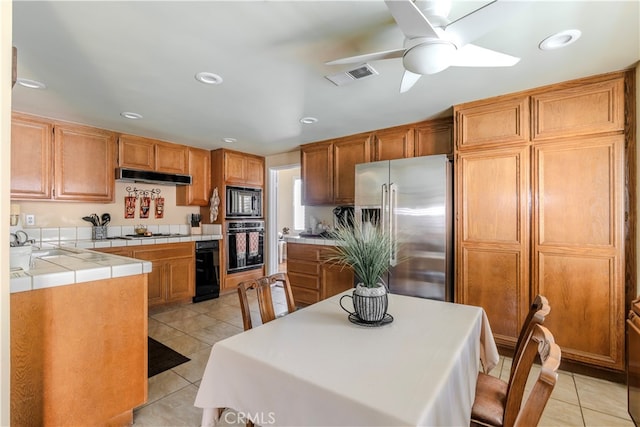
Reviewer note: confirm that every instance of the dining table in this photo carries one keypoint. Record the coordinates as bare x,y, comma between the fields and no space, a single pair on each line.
316,367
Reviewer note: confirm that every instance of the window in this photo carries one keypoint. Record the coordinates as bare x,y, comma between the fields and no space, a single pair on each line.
298,209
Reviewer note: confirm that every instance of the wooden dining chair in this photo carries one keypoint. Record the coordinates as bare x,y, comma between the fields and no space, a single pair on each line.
492,409
262,286
489,384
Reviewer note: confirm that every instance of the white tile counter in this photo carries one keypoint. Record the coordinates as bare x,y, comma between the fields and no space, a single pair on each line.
74,262
71,265
311,240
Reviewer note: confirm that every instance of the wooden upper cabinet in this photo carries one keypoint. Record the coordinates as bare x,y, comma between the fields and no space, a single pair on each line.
255,171
148,154
243,169
317,179
492,123
582,110
136,152
393,143
171,158
198,193
31,158
348,152
434,137
84,163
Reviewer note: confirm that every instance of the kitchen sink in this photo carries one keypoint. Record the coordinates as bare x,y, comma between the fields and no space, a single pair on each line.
50,252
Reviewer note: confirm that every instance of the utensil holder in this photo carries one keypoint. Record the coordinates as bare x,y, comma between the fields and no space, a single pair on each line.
99,232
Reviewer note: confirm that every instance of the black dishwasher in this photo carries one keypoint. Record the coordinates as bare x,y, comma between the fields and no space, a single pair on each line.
207,270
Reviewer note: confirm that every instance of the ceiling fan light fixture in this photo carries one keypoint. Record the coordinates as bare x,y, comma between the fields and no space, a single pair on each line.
31,84
559,40
208,78
429,57
131,116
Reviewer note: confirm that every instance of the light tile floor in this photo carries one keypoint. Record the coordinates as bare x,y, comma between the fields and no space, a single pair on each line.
192,329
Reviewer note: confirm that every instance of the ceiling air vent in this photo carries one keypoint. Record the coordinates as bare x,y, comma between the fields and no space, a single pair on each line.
352,75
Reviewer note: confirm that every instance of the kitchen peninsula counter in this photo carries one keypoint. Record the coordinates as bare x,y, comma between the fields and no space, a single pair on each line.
70,262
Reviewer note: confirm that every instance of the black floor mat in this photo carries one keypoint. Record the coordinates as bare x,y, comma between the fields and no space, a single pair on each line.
162,358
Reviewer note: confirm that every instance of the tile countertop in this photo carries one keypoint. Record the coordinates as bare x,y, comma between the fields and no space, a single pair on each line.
74,262
311,240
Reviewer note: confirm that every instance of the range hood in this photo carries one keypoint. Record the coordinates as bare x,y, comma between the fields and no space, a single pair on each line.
134,175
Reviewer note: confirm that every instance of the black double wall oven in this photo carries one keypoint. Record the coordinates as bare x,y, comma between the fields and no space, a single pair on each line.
245,245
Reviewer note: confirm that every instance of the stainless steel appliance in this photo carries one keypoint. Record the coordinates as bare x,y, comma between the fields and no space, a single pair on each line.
243,202
245,245
633,368
412,200
207,270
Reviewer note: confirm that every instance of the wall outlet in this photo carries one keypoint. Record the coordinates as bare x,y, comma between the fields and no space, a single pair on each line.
30,219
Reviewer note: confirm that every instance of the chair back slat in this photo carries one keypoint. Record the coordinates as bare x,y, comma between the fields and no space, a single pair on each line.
539,343
262,286
538,311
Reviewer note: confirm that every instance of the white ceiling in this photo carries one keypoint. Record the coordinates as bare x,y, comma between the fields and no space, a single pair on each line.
99,59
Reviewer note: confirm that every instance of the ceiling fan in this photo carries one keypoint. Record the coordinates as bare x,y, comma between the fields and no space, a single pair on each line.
432,43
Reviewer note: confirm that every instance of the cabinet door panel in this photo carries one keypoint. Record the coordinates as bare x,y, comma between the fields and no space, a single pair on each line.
347,153
254,172
198,193
583,292
171,158
576,192
492,279
156,288
180,279
234,166
435,137
493,187
136,152
317,181
31,158
303,296
394,143
84,163
492,124
582,110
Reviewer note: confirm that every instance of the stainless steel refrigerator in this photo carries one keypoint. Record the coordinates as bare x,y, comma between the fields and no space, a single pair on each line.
412,200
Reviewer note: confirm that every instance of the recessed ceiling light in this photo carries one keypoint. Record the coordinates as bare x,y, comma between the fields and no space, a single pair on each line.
308,120
31,84
561,39
208,78
229,140
131,116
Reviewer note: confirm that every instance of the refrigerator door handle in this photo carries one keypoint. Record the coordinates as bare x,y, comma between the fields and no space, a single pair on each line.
383,208
393,223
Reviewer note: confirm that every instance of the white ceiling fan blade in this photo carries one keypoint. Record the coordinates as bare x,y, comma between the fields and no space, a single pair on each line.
387,54
410,19
408,80
481,21
471,55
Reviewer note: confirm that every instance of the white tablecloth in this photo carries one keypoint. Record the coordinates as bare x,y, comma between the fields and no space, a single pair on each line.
315,368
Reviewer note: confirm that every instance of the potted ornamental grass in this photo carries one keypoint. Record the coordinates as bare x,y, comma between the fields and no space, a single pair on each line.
367,251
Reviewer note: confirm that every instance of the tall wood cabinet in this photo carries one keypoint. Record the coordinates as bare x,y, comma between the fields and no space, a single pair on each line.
61,161
541,209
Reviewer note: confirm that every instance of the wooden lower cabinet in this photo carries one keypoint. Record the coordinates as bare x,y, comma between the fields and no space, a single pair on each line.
172,277
79,353
312,279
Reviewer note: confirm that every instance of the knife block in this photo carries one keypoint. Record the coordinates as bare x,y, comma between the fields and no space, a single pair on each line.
196,230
